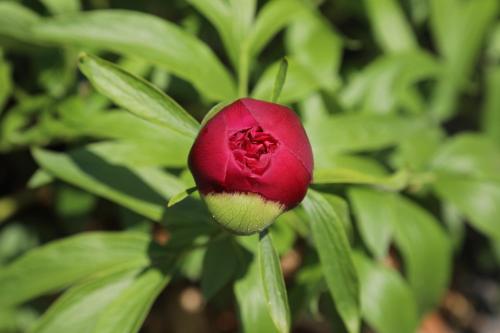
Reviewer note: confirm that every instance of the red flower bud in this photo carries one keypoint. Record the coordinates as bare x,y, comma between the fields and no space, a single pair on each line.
251,162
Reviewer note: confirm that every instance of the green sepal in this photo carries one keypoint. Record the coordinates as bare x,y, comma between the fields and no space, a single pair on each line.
242,213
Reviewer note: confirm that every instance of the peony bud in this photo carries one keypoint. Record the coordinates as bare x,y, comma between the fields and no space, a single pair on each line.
251,162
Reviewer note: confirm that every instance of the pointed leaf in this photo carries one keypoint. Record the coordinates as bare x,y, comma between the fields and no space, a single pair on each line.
136,95
273,283
143,36
335,255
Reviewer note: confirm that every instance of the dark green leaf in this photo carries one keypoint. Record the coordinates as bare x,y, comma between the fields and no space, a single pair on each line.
219,266
143,190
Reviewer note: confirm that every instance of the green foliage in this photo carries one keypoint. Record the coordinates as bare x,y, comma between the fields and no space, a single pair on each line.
401,108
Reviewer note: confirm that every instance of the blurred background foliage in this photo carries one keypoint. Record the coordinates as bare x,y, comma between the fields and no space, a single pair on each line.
401,100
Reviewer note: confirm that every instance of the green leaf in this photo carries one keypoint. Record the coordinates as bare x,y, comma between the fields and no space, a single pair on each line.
58,7
470,155
213,111
253,312
143,190
384,293
273,283
218,266
79,307
314,43
384,84
390,27
332,135
15,21
299,82
375,225
335,255
142,154
427,267
145,36
396,181
127,312
181,196
280,80
62,263
490,121
273,17
459,44
478,200
136,95
5,81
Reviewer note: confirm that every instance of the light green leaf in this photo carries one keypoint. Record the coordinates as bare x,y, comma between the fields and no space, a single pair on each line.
273,17
141,154
384,293
79,307
141,35
58,7
312,42
127,312
384,84
470,155
335,255
459,45
491,111
218,267
15,21
396,181
375,225
273,283
280,80
64,262
136,95
390,26
5,81
299,82
219,14
181,196
478,200
427,267
332,135
253,312
213,111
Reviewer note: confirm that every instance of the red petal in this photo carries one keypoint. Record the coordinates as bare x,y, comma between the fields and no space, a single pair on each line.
284,125
209,156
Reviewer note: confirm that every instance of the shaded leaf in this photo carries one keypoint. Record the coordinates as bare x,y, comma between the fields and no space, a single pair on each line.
335,255
218,266
74,259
